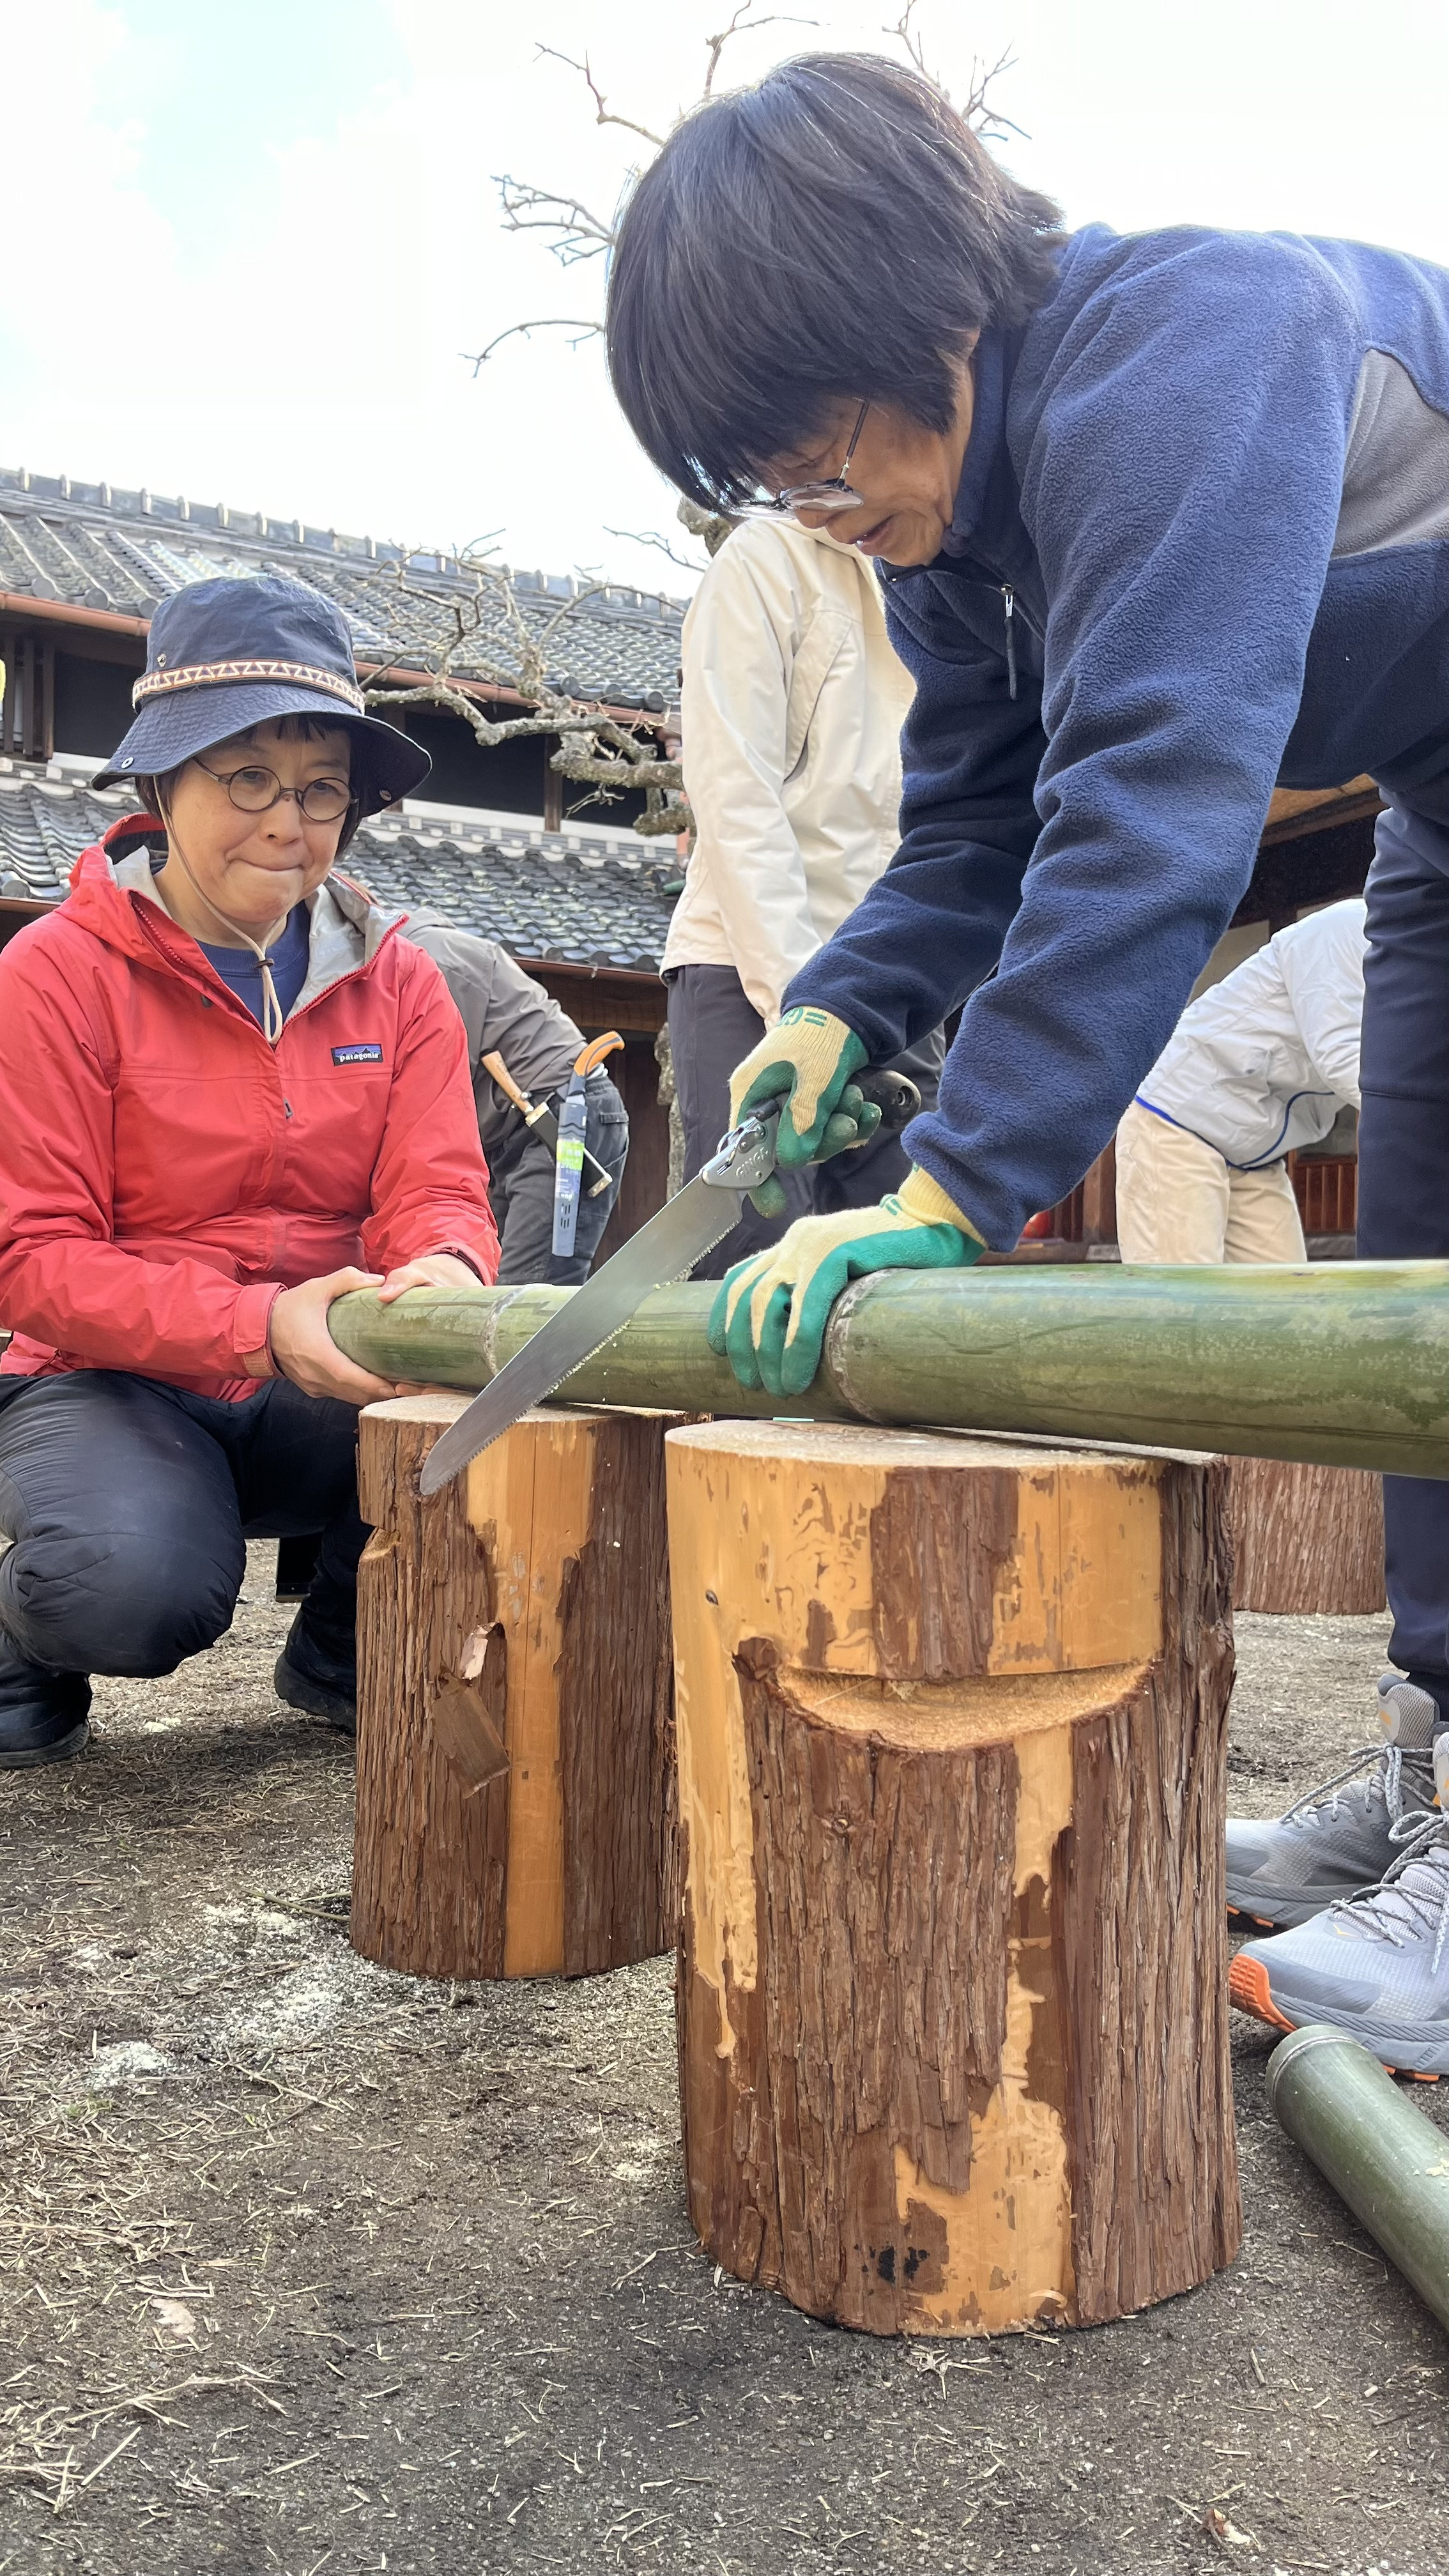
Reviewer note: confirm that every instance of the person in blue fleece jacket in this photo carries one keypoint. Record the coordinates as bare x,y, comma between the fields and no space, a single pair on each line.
1163,522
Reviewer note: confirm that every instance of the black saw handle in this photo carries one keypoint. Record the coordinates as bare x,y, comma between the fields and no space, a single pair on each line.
893,1094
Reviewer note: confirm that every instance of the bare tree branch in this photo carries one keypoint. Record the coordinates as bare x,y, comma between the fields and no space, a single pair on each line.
651,537
578,232
976,108
715,45
521,330
905,34
980,115
712,527
485,623
573,231
604,114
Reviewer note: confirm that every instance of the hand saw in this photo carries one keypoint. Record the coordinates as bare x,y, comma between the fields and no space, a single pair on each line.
697,1218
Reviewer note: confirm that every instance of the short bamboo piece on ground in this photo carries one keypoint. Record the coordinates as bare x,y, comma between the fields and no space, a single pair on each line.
1381,2155
952,1985
515,1788
1342,1363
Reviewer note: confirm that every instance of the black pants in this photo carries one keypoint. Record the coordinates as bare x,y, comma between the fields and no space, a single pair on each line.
520,1185
128,1504
1403,1178
712,1026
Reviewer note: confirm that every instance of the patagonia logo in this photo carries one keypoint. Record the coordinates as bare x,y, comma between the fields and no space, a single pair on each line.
357,1055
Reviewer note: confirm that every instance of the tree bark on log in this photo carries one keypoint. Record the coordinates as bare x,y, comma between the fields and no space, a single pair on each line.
952,1988
1340,1362
515,1742
1306,1538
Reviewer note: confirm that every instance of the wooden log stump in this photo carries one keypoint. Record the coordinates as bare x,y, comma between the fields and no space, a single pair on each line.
953,1977
515,1758
1306,1538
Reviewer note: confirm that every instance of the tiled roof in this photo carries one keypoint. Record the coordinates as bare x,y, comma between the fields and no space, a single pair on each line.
586,899
91,547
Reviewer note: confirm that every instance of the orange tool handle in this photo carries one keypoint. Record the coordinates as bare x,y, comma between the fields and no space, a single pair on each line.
596,1050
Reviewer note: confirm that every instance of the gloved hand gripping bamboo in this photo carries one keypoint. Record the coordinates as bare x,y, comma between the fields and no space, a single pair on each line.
770,1315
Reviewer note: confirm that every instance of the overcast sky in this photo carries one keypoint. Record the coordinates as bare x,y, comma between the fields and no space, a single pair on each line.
249,241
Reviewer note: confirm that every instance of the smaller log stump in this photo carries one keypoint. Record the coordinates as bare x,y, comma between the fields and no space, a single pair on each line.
515,1755
1306,1538
953,1977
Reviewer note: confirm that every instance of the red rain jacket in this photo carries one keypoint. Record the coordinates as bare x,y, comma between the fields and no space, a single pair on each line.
165,1173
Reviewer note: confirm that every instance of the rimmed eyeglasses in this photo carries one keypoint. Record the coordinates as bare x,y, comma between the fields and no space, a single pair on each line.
254,790
832,494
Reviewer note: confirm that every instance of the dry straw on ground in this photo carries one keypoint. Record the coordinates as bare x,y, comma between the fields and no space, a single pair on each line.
308,2267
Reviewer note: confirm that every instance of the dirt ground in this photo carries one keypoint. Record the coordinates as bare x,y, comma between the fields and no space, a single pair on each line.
308,2266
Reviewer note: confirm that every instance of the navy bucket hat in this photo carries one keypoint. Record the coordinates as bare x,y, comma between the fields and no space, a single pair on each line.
222,655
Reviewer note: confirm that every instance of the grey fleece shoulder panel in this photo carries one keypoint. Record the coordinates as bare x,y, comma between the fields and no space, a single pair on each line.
1396,471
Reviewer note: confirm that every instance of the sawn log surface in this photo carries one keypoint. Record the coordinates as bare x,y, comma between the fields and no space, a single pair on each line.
952,1988
515,1777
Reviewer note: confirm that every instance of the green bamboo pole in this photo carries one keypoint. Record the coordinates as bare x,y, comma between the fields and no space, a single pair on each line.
1382,2156
1342,1363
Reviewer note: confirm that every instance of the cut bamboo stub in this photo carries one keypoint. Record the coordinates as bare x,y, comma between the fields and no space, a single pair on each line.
952,1989
1380,2154
1341,1363
515,1786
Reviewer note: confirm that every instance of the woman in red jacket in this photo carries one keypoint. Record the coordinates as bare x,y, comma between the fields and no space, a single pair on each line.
228,1093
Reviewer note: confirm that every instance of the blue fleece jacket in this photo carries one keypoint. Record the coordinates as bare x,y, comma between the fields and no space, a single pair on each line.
1200,548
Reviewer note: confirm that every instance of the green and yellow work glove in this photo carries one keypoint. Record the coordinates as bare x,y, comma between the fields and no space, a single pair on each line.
805,1061
770,1315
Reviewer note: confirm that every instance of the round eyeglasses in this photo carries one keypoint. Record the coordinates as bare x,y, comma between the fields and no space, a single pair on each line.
833,494
255,791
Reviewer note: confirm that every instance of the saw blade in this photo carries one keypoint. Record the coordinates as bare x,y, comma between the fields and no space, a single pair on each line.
692,1223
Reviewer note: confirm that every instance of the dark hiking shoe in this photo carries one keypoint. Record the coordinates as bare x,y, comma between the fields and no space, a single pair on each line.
43,1714
321,1683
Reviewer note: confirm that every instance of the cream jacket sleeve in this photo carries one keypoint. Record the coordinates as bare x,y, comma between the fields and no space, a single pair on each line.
792,705
740,642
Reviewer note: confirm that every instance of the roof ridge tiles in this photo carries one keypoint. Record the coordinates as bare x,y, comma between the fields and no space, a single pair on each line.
154,510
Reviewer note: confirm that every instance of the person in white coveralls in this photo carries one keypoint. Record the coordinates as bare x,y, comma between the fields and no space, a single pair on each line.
1259,1065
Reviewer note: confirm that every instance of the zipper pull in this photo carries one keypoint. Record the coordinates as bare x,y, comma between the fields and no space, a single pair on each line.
1008,601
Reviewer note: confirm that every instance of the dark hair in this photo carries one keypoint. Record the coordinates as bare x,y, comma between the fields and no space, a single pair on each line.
834,234
298,728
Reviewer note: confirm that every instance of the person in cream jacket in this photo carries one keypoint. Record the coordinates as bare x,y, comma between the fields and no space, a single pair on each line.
793,701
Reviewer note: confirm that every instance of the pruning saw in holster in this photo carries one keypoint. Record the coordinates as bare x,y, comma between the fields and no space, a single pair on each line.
538,1115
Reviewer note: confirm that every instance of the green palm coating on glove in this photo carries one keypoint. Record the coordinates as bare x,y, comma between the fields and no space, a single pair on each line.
805,1061
853,1123
770,1315
769,1198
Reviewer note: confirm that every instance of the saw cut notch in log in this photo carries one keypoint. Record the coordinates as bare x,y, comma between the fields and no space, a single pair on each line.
953,1978
515,1761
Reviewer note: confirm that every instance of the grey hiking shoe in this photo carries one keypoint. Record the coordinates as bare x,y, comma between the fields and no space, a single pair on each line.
1344,1836
1375,1967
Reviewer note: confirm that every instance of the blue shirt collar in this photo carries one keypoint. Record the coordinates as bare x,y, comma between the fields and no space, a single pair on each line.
988,420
